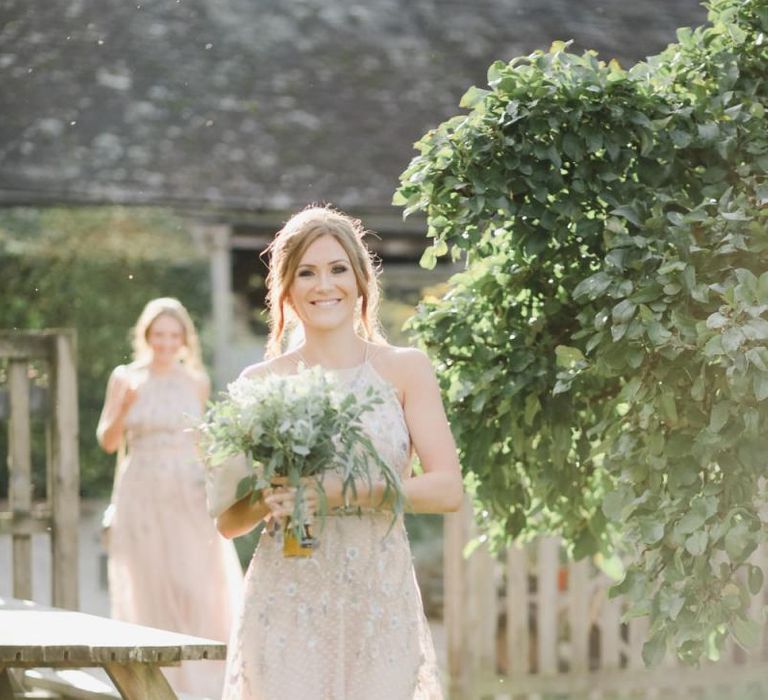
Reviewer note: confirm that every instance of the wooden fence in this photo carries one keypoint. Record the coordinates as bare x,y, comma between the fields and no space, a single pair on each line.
56,515
531,625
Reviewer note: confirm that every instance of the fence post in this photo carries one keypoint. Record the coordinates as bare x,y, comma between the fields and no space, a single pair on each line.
481,603
579,605
454,538
548,564
517,613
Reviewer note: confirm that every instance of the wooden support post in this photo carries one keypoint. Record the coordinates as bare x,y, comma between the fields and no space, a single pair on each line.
6,687
221,302
140,682
10,687
64,486
20,474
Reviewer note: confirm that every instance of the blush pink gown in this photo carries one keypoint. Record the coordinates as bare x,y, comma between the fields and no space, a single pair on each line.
346,623
168,565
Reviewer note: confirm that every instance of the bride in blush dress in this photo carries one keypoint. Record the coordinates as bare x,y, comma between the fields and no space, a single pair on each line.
168,566
347,622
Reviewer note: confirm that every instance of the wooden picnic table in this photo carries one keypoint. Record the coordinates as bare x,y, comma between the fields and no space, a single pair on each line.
33,635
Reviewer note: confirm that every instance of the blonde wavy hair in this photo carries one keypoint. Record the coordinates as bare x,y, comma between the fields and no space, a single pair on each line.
285,253
189,355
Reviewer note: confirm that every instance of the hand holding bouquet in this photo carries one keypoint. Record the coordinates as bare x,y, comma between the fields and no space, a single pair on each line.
296,429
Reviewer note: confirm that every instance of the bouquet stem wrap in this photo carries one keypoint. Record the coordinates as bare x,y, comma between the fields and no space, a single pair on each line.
298,546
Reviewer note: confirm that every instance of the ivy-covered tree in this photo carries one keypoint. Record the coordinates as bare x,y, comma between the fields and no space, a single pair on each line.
604,353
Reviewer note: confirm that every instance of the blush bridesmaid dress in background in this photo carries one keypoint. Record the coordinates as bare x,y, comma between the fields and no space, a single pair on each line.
168,565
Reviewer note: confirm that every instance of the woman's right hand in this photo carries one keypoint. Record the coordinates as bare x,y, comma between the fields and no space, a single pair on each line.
122,391
128,397
281,500
129,387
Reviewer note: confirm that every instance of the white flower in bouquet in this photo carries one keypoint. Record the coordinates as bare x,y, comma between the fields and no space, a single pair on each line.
297,426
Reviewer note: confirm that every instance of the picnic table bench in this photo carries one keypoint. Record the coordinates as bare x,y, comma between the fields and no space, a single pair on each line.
33,635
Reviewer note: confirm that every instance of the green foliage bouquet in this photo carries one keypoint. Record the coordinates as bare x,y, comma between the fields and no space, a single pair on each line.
296,427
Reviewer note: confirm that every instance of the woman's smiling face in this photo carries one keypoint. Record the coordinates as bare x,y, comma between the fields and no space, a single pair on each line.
324,291
165,336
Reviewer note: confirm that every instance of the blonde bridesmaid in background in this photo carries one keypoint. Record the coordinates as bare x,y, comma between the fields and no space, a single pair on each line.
168,566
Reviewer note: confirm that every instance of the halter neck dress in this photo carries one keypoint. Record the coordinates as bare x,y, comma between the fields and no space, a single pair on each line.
168,566
346,623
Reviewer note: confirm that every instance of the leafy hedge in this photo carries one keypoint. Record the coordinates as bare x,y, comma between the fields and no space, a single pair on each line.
604,353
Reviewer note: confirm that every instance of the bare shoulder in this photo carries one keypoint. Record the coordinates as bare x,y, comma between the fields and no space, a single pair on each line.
402,358
120,371
260,369
402,366
200,379
285,364
121,375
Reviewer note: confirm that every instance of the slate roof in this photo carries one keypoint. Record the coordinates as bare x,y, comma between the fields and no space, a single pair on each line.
263,104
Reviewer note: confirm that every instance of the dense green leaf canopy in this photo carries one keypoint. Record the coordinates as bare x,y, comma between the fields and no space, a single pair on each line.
604,353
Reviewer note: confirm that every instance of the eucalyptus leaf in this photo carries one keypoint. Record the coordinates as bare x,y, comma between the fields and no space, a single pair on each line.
696,544
746,632
654,650
755,578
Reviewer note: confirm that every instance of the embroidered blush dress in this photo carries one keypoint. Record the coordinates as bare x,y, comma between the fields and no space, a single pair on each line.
168,566
346,623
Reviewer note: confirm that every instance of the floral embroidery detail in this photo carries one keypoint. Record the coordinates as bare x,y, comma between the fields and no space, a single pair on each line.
352,608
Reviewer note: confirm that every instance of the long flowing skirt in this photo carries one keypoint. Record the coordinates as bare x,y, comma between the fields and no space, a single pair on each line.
346,623
168,566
